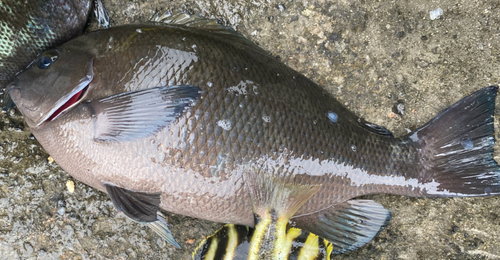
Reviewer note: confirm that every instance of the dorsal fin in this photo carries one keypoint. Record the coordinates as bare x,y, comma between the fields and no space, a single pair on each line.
196,21
374,128
213,27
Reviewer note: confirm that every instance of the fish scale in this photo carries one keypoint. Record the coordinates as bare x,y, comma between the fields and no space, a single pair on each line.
206,92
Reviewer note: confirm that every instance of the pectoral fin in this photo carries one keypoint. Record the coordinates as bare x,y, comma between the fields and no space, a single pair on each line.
348,225
141,113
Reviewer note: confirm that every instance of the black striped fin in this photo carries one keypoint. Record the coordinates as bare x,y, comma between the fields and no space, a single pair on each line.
229,242
348,225
233,242
309,246
301,244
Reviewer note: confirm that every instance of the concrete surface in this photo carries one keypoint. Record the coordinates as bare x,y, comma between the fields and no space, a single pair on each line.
371,55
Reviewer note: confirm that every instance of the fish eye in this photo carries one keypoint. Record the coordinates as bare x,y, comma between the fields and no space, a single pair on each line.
44,62
47,59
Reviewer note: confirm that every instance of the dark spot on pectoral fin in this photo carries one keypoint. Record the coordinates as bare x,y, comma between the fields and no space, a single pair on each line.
138,114
139,206
348,225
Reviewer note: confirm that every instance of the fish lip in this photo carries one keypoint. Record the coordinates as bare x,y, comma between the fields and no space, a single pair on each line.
84,83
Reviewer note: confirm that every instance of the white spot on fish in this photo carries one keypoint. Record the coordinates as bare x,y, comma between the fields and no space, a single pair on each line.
414,137
353,148
485,142
266,119
138,30
467,144
334,118
225,124
241,88
255,90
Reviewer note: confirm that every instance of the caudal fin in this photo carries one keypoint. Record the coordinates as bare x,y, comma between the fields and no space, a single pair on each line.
456,148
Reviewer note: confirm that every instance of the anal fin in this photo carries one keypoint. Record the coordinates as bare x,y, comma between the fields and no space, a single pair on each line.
278,193
346,226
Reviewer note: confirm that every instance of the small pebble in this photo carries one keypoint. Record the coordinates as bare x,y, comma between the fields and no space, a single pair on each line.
71,186
436,14
50,159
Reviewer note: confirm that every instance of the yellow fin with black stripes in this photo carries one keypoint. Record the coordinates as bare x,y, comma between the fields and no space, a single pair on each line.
228,242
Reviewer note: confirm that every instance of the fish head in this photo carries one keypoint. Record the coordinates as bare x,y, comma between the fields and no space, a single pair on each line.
54,83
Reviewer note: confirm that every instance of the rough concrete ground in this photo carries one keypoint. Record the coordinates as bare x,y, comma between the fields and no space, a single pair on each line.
371,55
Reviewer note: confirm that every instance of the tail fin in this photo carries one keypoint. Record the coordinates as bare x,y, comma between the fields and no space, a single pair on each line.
457,148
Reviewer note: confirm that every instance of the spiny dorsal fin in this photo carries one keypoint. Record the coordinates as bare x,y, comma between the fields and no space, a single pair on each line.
193,21
213,27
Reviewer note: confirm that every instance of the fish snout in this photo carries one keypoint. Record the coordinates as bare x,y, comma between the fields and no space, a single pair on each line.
23,98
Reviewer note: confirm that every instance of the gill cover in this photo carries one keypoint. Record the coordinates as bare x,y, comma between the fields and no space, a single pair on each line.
52,84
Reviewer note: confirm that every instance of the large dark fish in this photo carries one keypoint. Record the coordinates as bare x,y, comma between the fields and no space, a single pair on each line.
180,117
30,27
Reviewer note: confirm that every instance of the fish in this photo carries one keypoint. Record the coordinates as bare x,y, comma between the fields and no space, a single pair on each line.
180,116
233,242
30,27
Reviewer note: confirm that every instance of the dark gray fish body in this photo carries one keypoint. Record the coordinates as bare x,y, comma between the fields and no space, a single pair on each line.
30,27
191,112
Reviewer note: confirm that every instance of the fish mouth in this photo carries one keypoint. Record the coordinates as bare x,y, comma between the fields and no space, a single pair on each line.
69,100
